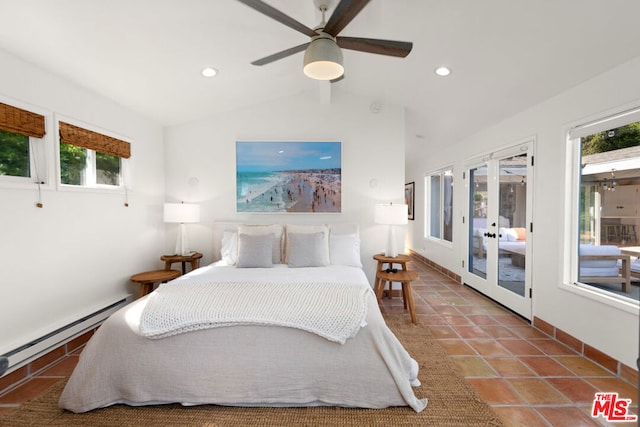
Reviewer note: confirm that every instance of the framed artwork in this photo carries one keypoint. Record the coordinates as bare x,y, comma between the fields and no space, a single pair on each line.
288,177
409,197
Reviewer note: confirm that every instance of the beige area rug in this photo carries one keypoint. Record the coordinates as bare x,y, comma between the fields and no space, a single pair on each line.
452,402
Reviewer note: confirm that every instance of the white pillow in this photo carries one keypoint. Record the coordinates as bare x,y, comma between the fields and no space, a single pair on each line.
275,230
229,249
292,228
344,249
307,249
255,250
512,235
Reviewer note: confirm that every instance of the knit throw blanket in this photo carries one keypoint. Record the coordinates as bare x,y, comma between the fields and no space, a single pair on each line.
334,311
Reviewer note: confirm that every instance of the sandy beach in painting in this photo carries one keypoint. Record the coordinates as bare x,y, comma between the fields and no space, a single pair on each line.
312,191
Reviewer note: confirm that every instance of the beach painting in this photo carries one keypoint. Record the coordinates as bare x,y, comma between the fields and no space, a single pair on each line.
288,177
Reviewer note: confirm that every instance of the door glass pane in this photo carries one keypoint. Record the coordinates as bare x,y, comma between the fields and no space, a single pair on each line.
478,204
512,211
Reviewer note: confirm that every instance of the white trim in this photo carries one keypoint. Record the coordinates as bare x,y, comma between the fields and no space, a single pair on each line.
608,298
40,153
609,122
573,172
441,172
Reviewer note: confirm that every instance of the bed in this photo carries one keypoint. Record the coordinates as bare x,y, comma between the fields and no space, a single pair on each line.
240,333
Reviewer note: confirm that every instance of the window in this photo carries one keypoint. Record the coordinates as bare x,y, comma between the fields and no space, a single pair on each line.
90,159
607,213
14,155
439,209
21,134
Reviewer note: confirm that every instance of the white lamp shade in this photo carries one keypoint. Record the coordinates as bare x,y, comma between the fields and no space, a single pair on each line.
181,212
392,214
323,59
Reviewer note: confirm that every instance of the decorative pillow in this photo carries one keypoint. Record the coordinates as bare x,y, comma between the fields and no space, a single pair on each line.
344,249
275,230
512,235
307,249
255,250
521,233
292,228
229,249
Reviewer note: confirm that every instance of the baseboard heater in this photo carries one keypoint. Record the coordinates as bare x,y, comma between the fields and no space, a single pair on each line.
22,355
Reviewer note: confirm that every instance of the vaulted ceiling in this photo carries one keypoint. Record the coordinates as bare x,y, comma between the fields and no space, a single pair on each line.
505,55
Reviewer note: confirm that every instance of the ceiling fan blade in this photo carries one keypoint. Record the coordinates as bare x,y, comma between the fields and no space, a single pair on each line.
344,12
274,13
377,46
280,55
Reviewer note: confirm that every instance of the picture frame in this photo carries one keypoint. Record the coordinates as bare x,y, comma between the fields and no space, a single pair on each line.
409,198
288,177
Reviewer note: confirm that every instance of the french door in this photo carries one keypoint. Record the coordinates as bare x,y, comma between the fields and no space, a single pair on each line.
499,226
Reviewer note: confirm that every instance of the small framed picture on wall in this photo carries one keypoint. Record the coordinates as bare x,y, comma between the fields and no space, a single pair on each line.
409,197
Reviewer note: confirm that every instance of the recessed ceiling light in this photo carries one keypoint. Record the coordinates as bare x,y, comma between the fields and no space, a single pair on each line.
443,71
209,72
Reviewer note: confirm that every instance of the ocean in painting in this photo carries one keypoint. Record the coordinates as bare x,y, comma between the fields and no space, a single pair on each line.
258,192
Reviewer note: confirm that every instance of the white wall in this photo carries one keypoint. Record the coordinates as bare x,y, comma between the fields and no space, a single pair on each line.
77,252
610,329
372,149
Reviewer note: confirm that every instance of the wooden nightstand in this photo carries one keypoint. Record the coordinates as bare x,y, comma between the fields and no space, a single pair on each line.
402,276
382,260
194,259
149,278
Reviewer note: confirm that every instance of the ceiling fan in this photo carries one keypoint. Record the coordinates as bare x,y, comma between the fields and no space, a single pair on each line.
323,54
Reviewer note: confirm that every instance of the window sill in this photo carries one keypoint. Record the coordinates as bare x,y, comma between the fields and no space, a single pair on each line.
603,297
23,184
97,189
441,242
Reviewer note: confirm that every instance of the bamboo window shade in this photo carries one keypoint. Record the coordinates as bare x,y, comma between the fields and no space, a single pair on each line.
80,137
17,120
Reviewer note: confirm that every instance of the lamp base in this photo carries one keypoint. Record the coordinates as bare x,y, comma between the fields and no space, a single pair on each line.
391,251
182,244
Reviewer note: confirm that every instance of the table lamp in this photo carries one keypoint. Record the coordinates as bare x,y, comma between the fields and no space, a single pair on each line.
182,213
391,214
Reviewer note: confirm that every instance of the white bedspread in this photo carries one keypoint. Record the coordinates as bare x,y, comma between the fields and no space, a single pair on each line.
245,365
179,307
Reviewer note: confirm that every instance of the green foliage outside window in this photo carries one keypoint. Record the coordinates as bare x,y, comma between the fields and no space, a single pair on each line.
614,139
73,161
108,169
14,154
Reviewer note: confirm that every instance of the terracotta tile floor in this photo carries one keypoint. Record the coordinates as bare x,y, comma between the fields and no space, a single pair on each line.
527,377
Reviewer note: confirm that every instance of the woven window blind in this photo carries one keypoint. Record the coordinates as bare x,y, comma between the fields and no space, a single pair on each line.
70,134
17,120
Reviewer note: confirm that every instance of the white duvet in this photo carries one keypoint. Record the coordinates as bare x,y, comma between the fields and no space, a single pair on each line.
245,365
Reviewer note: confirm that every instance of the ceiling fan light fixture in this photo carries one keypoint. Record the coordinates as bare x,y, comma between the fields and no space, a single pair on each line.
323,59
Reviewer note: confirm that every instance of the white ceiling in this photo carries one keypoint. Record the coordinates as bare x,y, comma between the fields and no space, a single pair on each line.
506,55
